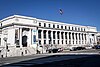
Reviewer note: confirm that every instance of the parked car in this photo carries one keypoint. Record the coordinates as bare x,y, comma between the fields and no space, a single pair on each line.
88,47
72,48
54,50
76,48
80,48
60,49
96,47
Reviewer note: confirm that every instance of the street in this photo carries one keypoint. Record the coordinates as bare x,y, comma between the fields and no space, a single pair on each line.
50,59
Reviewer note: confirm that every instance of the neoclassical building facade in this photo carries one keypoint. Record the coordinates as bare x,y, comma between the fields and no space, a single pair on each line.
22,35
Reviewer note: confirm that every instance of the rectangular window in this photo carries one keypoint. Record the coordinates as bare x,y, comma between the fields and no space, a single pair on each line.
39,33
73,35
44,41
53,34
72,28
58,41
49,41
39,42
53,26
62,36
61,27
66,41
53,41
49,25
39,24
44,24
49,34
58,35
85,36
79,36
69,35
44,34
82,36
65,35
81,29
34,39
79,42
57,26
84,29
75,29
73,42
69,27
62,41
65,27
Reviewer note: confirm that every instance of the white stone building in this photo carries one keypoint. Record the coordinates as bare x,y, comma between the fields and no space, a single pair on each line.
21,35
98,38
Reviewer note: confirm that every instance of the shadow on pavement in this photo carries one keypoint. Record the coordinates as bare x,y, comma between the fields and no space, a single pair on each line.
84,61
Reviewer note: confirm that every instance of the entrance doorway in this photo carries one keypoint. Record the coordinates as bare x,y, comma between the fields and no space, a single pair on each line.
24,41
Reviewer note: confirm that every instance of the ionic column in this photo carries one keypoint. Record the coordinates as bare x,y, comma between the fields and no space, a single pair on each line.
60,37
47,39
64,38
67,37
56,38
42,39
20,37
84,39
75,38
87,39
36,36
95,39
71,39
81,38
52,37
78,38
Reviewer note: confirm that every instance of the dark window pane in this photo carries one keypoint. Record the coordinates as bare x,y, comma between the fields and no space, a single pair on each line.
53,41
65,27
40,42
53,26
44,41
61,27
39,24
39,33
44,24
57,26
58,41
49,25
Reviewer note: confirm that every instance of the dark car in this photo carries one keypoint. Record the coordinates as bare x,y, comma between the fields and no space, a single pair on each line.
54,50
96,47
80,48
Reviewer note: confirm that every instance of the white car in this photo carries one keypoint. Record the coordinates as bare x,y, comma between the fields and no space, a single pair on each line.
89,47
72,48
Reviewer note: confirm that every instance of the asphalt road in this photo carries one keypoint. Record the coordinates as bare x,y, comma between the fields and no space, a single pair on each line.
90,61
51,59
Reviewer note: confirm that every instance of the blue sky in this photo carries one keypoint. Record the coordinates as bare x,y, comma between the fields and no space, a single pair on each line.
82,12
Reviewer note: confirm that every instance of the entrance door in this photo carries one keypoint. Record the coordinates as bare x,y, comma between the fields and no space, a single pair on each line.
24,41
